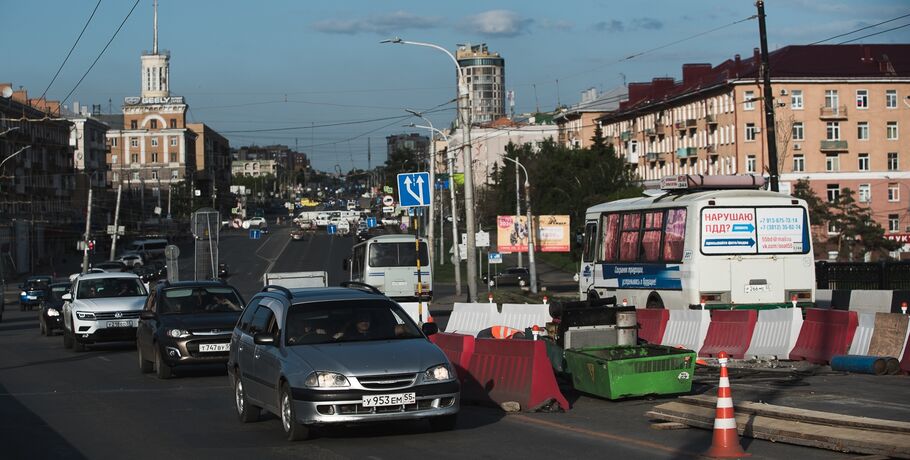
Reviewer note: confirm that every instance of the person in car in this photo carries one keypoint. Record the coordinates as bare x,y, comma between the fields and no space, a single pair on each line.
359,328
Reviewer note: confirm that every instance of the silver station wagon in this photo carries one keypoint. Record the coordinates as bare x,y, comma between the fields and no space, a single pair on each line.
323,356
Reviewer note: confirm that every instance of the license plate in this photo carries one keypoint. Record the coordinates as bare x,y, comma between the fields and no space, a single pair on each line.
31,297
389,400
124,323
757,288
214,347
399,283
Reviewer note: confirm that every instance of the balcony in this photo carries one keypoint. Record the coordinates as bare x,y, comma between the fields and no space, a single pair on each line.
653,156
686,152
833,113
680,125
650,132
711,148
833,146
711,119
625,136
660,130
691,123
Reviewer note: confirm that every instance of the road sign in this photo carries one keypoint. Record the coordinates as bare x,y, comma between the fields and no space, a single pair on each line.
171,251
414,189
387,189
481,239
121,230
388,200
255,234
332,229
494,258
371,222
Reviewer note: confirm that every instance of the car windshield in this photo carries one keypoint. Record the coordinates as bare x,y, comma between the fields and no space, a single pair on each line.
332,322
56,292
37,284
200,299
110,287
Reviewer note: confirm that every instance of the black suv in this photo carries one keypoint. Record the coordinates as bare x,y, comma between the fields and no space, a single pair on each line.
186,323
50,317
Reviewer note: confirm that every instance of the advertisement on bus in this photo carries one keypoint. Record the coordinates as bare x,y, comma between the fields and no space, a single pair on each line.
553,234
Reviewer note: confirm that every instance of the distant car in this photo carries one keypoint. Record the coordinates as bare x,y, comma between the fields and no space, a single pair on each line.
255,222
514,276
32,291
111,266
335,356
131,260
50,318
186,323
299,234
306,224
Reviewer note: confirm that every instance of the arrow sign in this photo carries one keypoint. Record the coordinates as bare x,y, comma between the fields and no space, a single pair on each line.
730,242
748,228
414,189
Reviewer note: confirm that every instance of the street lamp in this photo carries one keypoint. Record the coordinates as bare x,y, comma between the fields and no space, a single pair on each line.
14,154
531,264
8,130
464,115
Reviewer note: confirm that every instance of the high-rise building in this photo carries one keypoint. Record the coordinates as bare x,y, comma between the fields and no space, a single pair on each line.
485,75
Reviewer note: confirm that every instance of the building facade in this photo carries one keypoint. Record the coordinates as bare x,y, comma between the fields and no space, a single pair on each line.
485,76
255,168
213,164
576,124
416,143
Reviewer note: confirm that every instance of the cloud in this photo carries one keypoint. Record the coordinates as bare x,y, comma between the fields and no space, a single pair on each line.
615,25
381,24
647,24
609,26
497,23
559,24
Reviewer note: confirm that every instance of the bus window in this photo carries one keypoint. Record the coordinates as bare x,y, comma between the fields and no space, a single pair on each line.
590,248
631,226
675,234
610,236
397,255
650,239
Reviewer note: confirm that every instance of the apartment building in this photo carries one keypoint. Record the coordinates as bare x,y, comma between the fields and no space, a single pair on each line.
213,164
839,110
576,123
485,77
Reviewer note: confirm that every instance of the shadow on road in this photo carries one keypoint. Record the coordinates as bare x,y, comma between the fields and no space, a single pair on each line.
23,434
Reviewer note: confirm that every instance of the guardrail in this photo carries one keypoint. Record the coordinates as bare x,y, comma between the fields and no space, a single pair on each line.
862,275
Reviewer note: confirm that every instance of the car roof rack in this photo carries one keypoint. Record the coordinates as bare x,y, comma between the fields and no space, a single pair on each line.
274,287
361,286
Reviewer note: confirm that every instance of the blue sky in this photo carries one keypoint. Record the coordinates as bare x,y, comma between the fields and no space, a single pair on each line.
244,65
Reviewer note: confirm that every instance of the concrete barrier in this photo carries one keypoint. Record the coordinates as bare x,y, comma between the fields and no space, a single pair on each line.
412,309
520,316
865,326
890,335
775,333
471,318
871,301
687,328
825,333
652,323
730,331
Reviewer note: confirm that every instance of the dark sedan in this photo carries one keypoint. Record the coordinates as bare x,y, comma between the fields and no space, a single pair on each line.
186,323
515,276
33,291
50,319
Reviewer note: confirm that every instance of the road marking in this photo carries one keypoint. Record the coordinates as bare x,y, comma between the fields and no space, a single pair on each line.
597,434
105,358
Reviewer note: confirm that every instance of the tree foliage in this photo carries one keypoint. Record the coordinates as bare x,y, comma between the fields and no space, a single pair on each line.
400,161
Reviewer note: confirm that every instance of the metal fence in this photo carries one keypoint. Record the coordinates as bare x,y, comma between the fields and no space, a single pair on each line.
862,275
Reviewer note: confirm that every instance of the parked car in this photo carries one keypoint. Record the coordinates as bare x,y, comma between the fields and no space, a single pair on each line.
335,356
186,323
131,260
514,276
102,307
49,317
32,291
255,222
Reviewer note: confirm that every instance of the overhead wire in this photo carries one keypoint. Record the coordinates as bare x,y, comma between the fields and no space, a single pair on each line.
70,51
859,30
874,34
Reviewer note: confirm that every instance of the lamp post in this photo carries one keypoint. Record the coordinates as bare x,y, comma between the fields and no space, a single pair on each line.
464,116
531,264
450,164
14,154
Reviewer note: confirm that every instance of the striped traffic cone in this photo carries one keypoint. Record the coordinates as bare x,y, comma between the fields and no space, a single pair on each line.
726,441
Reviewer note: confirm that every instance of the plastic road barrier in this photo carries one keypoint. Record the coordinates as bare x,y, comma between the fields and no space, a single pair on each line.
729,331
458,348
825,333
629,371
863,335
522,316
775,333
652,323
512,370
890,335
687,329
871,301
471,318
411,309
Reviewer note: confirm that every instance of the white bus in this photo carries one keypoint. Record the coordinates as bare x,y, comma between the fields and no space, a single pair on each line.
715,241
389,263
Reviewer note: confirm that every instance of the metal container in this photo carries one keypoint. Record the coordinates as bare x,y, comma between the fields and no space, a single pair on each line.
626,328
624,372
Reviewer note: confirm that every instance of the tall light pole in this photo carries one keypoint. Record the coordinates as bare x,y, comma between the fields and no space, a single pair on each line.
531,263
450,164
465,118
431,230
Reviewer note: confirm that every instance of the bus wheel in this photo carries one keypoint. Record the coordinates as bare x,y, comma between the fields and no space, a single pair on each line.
654,301
592,295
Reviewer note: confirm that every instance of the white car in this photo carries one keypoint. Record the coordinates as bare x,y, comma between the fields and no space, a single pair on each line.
102,307
256,222
131,260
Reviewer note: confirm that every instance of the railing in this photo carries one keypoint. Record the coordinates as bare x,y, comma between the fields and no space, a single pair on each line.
625,135
686,152
711,148
862,275
833,146
680,126
650,132
711,119
833,113
653,156
691,123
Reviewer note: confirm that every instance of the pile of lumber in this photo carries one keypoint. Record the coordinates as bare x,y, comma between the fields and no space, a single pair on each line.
802,427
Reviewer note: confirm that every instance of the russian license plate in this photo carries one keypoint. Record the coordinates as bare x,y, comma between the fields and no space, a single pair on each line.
124,323
757,288
31,297
214,347
389,400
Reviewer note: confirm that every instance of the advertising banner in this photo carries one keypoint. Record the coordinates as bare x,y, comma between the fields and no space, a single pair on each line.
754,230
553,234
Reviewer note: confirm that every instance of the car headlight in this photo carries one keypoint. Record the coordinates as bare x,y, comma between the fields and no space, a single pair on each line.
23,294
178,333
52,312
326,380
438,373
85,315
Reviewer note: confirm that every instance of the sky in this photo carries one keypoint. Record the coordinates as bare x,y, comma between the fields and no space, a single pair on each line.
294,67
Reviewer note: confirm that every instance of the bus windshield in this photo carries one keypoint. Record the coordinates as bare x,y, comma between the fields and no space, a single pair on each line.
397,255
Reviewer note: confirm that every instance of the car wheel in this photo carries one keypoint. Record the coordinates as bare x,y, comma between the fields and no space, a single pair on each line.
443,422
162,370
42,327
145,366
67,339
246,412
294,430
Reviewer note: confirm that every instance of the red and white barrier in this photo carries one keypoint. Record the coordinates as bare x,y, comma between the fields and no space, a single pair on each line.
471,318
863,335
775,333
687,329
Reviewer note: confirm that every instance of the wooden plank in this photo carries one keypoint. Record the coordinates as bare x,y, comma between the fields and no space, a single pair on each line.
804,415
841,439
889,335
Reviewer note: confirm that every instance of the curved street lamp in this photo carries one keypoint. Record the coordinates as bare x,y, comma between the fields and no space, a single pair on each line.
532,265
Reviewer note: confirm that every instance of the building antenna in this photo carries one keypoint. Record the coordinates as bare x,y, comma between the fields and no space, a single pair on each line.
558,104
536,102
155,41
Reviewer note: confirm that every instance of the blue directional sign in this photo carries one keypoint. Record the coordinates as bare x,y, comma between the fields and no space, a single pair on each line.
414,189
494,258
255,234
332,229
371,222
748,228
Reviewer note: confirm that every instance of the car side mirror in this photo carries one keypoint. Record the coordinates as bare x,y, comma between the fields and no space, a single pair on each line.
346,264
429,329
67,296
147,314
263,338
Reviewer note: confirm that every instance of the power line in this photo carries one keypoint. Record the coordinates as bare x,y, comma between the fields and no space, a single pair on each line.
860,29
100,54
71,51
873,34
327,125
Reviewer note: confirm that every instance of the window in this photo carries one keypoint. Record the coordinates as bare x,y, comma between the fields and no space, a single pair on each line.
832,229
833,192
799,163
173,123
798,134
261,320
674,235
863,162
833,131
590,240
154,157
153,124
113,142
175,174
134,176
749,100
893,223
891,98
610,227
134,124
832,162
891,131
831,99
862,130
134,158
115,177
650,238
134,142
892,161
750,164
750,131
173,141
173,156
155,174
862,99
865,193
154,142
629,237
796,99
894,192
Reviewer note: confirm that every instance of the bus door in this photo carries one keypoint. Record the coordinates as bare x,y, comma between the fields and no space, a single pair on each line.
586,271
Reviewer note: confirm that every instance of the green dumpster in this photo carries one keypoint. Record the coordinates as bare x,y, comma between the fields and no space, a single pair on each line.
627,371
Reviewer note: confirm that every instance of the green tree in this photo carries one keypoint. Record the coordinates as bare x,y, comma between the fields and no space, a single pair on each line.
857,230
400,161
819,212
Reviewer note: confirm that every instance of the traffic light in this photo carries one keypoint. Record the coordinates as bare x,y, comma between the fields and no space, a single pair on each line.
91,245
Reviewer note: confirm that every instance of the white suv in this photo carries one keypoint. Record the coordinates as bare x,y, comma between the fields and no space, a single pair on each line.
103,307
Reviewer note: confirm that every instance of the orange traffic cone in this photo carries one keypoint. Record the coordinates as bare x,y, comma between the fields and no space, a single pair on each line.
430,319
726,441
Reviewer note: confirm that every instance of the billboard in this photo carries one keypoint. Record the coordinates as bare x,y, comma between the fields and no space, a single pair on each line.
553,234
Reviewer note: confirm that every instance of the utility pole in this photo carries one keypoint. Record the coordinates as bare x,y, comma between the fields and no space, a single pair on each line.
518,212
469,193
117,220
768,99
88,230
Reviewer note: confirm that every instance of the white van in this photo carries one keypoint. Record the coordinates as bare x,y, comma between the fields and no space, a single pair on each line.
148,248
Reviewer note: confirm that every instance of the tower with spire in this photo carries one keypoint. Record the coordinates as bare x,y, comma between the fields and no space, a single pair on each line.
155,66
